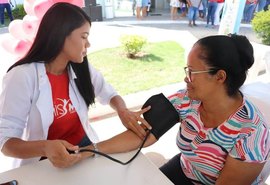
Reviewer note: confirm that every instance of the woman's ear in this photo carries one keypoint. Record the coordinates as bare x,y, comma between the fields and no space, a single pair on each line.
221,76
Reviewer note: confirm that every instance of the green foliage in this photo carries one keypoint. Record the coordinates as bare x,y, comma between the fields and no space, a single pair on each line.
132,44
261,25
162,64
18,12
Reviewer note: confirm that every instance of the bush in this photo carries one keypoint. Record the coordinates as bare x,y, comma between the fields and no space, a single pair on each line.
18,12
261,25
133,44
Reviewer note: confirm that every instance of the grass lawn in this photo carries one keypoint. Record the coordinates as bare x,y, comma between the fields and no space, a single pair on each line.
159,64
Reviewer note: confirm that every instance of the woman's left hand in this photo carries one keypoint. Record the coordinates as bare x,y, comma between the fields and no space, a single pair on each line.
133,121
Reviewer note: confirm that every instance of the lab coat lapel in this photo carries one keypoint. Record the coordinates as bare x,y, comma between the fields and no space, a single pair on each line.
44,101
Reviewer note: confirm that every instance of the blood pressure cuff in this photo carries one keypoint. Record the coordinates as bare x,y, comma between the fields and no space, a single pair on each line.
162,116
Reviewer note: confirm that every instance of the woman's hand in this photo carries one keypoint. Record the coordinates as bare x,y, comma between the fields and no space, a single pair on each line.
131,120
57,152
134,121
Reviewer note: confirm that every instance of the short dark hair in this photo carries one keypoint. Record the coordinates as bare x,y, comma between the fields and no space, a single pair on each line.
58,23
232,53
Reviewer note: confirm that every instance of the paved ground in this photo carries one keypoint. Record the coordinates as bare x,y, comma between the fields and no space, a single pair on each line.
162,20
106,34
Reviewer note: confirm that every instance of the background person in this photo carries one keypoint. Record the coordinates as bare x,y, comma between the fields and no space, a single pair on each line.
249,10
212,6
193,8
205,6
201,13
141,8
133,7
46,94
267,4
183,8
4,4
261,5
175,4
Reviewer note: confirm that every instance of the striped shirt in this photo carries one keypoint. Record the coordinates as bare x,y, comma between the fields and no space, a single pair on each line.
244,136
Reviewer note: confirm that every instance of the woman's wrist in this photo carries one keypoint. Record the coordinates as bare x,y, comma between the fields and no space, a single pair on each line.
95,148
121,109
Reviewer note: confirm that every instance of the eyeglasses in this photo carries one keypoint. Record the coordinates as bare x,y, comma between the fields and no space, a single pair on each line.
189,72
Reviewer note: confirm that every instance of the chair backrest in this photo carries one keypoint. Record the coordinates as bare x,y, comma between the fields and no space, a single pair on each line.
262,58
258,94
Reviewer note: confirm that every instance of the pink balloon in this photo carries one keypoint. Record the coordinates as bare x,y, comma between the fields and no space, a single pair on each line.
30,26
41,6
79,3
28,7
30,1
57,1
15,46
16,29
22,47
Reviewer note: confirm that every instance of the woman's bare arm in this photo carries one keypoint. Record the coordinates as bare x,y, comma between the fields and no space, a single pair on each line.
54,150
123,142
236,172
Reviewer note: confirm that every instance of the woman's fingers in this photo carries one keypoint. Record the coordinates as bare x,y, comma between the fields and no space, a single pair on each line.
140,124
142,120
58,152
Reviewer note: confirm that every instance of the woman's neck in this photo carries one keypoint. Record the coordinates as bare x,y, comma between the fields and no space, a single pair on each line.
56,67
216,111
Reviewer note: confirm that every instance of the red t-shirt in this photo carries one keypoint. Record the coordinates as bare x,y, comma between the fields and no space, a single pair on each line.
66,124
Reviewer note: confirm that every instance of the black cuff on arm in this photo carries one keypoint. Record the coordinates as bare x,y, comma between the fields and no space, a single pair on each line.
162,116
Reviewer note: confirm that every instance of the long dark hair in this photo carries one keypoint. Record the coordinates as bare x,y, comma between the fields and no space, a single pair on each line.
58,23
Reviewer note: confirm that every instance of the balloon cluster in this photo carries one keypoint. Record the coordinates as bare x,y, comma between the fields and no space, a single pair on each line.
22,32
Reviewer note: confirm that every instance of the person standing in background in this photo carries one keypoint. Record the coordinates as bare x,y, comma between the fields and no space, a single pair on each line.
201,14
4,4
175,4
212,6
192,11
266,5
261,4
141,9
205,5
249,10
184,8
148,8
218,11
133,7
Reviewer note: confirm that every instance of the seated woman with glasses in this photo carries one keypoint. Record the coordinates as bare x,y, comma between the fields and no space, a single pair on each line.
223,138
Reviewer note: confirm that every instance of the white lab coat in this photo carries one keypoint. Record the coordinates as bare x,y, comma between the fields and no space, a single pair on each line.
26,108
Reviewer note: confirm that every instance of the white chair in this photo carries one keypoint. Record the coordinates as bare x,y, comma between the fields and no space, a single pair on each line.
262,61
258,93
267,63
